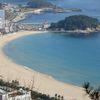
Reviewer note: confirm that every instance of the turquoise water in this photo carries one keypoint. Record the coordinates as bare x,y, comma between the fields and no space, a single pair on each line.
69,59
66,58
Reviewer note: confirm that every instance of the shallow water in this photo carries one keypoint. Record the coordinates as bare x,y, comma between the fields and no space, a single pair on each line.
68,59
72,60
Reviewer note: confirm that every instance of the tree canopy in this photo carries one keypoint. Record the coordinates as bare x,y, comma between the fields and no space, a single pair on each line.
81,22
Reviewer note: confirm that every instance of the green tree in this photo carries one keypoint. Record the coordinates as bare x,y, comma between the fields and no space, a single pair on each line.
94,93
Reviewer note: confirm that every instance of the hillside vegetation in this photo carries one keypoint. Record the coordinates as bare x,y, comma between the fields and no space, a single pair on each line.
76,22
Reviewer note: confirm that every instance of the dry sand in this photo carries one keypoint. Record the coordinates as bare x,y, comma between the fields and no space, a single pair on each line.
42,83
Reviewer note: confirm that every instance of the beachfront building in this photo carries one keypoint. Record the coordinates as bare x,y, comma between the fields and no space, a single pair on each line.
2,19
9,94
46,25
34,26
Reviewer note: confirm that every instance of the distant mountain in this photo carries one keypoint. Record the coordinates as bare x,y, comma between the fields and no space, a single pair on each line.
39,4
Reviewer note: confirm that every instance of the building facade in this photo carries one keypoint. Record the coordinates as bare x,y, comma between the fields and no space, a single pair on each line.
2,19
15,95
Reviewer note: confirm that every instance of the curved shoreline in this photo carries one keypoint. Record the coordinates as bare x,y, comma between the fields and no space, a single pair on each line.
26,76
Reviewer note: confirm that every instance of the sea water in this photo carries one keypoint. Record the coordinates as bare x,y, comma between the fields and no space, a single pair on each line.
69,59
88,7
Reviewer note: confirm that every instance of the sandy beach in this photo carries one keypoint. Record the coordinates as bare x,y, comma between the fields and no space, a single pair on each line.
42,83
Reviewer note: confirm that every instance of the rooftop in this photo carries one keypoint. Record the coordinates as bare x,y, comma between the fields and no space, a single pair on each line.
12,92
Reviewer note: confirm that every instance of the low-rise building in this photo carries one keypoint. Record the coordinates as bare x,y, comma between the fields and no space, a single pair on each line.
10,94
2,19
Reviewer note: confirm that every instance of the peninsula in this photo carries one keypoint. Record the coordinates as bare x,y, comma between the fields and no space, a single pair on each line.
16,13
76,24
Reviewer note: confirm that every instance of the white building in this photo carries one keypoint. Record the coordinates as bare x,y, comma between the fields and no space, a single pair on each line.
15,95
2,19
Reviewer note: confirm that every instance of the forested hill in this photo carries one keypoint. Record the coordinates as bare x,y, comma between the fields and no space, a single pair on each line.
39,4
75,22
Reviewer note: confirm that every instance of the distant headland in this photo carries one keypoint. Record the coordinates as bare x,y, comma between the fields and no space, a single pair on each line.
76,24
49,7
